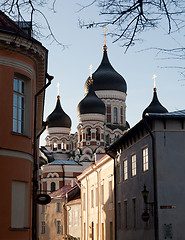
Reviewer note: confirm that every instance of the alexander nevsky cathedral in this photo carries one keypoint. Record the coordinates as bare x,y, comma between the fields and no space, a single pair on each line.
102,120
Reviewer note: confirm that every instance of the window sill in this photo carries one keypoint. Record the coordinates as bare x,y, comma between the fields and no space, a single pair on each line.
20,134
19,229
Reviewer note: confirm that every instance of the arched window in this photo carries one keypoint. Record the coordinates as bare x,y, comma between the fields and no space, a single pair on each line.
55,146
107,140
116,137
121,112
98,134
52,186
108,113
63,145
115,115
88,134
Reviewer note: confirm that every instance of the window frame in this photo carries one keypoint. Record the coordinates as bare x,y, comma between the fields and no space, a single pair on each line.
125,167
43,227
26,131
18,105
58,226
145,159
115,115
134,165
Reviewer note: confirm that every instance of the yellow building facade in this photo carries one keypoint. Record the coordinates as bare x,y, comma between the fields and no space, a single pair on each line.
97,199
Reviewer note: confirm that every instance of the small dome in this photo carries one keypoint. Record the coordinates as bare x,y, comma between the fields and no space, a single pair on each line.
106,78
91,103
155,106
58,118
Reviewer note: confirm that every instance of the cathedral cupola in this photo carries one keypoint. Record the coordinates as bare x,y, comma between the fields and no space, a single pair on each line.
91,104
106,78
58,118
155,106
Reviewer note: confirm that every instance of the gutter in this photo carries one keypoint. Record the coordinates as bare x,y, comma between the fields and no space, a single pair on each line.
35,161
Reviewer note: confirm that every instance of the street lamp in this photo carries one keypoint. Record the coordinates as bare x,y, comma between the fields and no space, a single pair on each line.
145,193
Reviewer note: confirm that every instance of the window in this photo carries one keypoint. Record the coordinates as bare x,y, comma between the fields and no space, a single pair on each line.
20,204
96,196
43,227
111,231
92,227
92,198
98,134
126,214
145,159
110,192
88,134
121,113
55,146
133,159
134,212
102,194
52,186
108,113
18,106
58,207
102,237
58,225
125,169
107,140
84,202
84,231
116,137
115,115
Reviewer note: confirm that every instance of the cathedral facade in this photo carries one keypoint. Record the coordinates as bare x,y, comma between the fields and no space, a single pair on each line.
102,120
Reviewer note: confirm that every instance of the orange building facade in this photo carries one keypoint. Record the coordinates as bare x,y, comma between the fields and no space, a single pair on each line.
23,68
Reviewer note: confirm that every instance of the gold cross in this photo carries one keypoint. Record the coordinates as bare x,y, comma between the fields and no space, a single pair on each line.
58,86
154,78
91,71
104,32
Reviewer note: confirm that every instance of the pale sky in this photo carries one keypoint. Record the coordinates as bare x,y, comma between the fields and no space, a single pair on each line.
70,67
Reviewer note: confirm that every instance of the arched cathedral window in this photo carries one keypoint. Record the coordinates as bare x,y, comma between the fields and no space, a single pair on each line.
88,134
55,146
109,113
63,145
107,140
98,134
115,115
121,113
53,186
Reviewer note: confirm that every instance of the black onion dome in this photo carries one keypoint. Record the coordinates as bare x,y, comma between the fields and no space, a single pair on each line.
58,118
106,78
91,103
155,106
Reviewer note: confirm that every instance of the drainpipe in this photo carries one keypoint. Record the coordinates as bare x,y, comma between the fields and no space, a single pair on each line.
156,220
63,177
115,197
35,162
